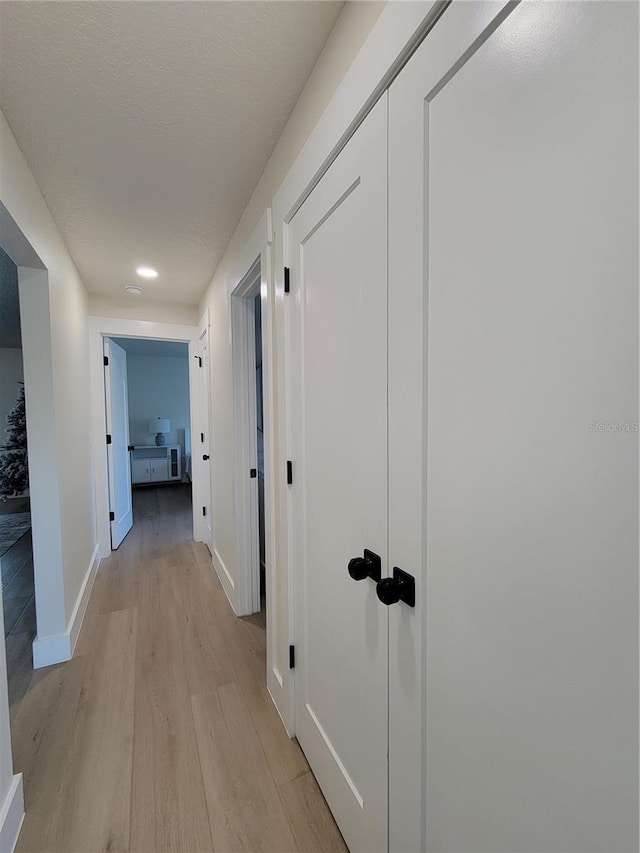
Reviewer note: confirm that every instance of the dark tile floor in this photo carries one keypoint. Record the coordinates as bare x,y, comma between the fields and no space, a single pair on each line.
18,601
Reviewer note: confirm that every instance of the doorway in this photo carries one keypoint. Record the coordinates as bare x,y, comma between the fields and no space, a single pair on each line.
101,328
248,369
16,549
148,426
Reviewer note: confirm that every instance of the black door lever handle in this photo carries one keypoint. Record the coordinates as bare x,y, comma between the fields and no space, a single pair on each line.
205,457
401,587
369,566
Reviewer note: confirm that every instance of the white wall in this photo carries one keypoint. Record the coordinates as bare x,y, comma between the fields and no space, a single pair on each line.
11,373
59,411
158,388
346,39
55,341
139,308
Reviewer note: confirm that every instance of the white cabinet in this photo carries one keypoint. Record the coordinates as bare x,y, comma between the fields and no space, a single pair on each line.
156,464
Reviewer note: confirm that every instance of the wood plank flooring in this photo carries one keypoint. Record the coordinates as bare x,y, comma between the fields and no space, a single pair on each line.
18,602
160,734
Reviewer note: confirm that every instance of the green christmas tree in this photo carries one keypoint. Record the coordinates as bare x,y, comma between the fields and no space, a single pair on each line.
14,470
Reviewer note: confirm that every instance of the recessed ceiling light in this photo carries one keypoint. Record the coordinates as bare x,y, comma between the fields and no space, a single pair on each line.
134,289
147,272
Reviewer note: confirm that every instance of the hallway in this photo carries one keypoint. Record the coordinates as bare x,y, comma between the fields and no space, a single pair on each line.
160,733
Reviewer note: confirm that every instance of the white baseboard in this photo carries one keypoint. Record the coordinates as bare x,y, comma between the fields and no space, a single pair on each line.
225,578
12,815
59,648
77,617
50,650
290,731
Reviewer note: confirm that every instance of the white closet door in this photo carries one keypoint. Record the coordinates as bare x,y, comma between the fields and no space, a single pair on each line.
514,209
118,459
338,258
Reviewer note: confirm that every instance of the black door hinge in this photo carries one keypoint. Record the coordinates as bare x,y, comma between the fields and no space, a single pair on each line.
204,510
202,438
112,516
292,657
287,282
289,472
108,439
253,473
199,360
106,361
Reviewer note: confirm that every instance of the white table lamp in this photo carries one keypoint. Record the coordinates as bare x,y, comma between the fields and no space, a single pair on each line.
159,426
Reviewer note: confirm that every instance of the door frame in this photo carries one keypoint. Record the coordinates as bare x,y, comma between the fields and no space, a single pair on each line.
252,275
257,256
107,327
394,38
44,453
202,497
245,434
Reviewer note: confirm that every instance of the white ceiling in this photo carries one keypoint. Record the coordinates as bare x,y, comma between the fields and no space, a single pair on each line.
148,124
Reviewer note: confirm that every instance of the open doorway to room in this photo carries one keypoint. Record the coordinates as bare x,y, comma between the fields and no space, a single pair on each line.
16,550
252,487
148,431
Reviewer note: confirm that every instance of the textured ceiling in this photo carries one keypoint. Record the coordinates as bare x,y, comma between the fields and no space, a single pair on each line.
148,124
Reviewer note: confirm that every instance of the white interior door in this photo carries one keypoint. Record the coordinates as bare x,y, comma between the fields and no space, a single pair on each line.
514,204
117,410
338,256
201,443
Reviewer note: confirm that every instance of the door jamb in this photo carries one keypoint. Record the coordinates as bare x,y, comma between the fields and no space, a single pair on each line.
245,431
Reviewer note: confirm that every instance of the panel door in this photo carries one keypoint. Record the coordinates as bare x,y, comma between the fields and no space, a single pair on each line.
117,411
338,258
514,211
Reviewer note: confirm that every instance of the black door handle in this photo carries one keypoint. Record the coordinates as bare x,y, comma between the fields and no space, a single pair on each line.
369,566
205,457
401,587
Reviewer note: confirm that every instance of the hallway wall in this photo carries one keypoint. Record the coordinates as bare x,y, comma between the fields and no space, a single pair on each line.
347,37
59,402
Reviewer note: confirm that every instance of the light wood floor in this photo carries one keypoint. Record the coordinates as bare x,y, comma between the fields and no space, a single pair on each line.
159,734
